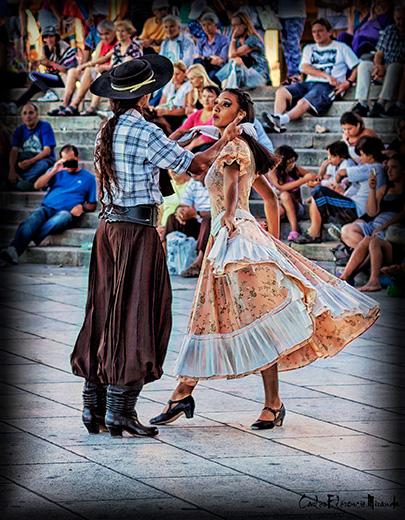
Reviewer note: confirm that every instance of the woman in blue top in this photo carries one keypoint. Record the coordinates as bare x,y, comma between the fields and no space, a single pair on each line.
246,56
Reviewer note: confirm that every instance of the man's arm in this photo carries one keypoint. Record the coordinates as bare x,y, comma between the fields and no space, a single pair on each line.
43,181
29,162
308,69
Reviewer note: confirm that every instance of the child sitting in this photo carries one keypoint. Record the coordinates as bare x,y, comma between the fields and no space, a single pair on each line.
338,159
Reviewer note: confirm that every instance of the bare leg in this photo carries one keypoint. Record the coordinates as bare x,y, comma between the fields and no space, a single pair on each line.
351,235
288,203
282,101
356,258
94,103
299,110
198,261
316,220
271,392
71,77
85,83
380,250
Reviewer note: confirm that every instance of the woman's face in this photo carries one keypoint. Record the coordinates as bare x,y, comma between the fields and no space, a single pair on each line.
290,164
196,81
394,170
238,28
351,130
172,30
208,99
122,35
226,109
209,27
178,77
107,36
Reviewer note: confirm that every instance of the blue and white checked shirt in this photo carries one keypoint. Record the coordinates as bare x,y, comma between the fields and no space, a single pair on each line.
140,148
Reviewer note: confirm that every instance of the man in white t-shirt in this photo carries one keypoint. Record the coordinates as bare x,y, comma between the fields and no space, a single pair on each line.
326,64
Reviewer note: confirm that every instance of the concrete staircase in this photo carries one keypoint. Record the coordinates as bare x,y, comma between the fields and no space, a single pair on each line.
73,246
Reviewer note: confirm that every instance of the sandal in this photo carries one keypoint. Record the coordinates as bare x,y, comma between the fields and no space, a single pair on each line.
192,272
306,238
57,111
278,420
70,111
90,111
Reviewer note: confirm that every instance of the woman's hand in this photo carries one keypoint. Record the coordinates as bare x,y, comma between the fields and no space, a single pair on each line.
372,180
310,177
228,220
232,130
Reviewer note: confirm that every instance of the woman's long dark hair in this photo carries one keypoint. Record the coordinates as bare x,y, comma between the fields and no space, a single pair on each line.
286,153
264,160
103,154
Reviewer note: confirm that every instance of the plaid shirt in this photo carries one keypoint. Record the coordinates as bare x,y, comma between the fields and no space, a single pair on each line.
140,148
391,45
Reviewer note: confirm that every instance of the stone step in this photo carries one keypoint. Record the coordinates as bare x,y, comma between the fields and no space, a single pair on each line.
261,93
57,255
14,214
76,237
319,252
337,109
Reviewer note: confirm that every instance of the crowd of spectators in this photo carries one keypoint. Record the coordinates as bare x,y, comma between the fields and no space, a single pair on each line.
226,44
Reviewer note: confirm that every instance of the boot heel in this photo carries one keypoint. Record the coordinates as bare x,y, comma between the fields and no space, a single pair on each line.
92,427
115,431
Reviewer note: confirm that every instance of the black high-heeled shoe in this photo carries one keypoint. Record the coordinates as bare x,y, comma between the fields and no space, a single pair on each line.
278,420
184,406
94,407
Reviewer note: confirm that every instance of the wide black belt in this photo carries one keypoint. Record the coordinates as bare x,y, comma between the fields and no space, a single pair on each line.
146,215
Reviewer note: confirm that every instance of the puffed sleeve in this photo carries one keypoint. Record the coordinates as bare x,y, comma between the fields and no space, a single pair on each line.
235,151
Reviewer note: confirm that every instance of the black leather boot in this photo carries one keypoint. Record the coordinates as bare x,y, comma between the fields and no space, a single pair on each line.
94,406
121,415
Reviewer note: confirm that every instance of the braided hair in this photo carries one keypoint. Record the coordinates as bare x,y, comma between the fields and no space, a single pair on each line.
103,154
264,160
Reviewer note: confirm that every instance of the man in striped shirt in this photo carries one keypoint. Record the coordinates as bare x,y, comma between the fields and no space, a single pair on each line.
58,58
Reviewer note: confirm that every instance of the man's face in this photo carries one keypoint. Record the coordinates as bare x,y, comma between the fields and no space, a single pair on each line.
320,34
161,12
69,155
172,30
399,19
29,116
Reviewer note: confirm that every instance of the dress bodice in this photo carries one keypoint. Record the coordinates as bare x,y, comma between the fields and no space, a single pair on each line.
235,151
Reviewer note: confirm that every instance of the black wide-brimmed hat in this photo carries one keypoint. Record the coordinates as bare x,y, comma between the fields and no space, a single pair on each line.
134,78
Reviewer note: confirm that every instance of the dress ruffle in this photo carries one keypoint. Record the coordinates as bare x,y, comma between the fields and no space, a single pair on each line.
235,151
303,313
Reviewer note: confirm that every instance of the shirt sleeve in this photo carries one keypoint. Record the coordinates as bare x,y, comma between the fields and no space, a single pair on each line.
383,39
351,59
306,56
254,42
188,196
92,191
167,154
190,122
235,151
17,138
188,51
223,52
68,58
48,137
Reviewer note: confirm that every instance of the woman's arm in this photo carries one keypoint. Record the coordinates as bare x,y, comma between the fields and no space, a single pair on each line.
374,198
288,186
264,189
231,194
243,50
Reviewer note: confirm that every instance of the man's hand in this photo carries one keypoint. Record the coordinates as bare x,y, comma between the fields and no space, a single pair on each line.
24,164
331,80
216,60
77,211
13,176
184,213
378,71
342,87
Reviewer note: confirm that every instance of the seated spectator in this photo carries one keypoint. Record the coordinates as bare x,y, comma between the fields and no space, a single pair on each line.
32,151
153,31
88,72
372,18
176,45
385,206
198,8
353,129
58,59
287,178
198,78
72,192
200,117
328,205
336,11
357,15
388,67
292,16
171,202
127,46
326,64
173,100
212,51
246,57
397,146
338,159
193,218
262,136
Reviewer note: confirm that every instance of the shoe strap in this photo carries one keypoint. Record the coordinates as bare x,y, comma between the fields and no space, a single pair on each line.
275,412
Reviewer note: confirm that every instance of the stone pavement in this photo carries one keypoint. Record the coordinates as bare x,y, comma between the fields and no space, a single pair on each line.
338,455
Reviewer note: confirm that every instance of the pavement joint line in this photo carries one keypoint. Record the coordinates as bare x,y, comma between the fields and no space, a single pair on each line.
136,479
78,515
36,362
353,354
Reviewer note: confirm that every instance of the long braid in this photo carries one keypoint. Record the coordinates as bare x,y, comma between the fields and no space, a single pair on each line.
104,155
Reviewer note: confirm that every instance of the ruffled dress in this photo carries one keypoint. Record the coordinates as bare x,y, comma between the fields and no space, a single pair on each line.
259,302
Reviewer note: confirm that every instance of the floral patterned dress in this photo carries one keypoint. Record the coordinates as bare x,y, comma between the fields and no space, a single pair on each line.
259,302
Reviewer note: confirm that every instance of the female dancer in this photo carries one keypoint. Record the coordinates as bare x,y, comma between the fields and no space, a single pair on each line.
259,306
126,329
